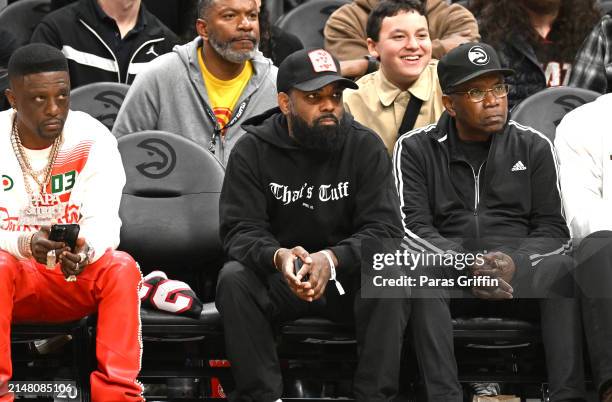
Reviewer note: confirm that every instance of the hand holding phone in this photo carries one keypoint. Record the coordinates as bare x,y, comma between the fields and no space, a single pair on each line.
67,233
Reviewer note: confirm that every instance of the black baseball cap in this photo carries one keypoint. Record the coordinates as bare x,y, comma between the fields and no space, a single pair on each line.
466,62
310,69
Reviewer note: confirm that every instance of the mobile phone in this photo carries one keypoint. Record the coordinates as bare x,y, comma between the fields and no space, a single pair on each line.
297,265
67,233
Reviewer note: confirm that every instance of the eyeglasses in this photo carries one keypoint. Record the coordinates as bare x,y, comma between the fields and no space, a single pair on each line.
478,95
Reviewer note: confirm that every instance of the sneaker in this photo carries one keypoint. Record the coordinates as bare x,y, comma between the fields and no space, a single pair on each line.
50,345
484,388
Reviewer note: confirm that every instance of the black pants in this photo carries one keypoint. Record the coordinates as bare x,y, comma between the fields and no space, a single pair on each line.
561,333
594,279
250,307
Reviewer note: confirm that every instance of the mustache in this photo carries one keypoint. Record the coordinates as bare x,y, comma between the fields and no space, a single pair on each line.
326,116
246,37
53,121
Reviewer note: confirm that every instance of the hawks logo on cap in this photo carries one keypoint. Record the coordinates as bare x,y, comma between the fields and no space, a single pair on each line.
478,56
322,61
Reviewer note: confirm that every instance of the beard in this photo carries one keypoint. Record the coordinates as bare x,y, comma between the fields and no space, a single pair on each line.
317,137
224,49
542,6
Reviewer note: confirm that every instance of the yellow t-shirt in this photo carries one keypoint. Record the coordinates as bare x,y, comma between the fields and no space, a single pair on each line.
223,95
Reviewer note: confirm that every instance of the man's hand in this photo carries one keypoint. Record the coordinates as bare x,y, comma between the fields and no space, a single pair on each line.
74,263
496,265
284,263
41,245
455,39
499,266
319,273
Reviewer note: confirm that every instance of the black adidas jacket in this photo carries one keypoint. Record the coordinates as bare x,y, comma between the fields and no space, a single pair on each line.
511,204
74,29
276,194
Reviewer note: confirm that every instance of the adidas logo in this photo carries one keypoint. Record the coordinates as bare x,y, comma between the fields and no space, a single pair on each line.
518,166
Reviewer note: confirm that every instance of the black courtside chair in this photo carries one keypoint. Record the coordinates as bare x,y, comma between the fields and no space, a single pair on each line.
545,109
170,215
307,20
102,100
21,18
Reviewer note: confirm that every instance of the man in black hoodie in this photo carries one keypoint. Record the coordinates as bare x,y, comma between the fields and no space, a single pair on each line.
307,183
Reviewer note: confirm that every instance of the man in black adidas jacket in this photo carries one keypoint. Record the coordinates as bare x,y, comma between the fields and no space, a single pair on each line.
308,183
478,183
105,40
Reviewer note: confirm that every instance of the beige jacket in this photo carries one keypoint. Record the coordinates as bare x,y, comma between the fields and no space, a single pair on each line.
380,105
345,30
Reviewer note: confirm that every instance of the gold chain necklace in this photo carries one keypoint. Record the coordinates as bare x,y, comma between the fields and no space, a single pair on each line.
24,162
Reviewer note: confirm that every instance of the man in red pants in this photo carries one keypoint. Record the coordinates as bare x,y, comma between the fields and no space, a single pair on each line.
61,166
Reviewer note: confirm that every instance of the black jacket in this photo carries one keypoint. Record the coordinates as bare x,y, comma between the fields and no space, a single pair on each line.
276,194
513,204
75,30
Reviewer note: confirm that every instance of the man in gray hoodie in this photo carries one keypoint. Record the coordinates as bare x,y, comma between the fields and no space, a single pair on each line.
205,89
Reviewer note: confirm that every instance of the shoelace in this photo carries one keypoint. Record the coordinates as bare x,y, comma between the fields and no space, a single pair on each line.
485,388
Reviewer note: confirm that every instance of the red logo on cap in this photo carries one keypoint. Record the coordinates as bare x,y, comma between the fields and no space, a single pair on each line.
322,61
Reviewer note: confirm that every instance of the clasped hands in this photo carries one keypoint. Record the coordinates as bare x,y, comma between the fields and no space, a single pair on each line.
496,265
316,268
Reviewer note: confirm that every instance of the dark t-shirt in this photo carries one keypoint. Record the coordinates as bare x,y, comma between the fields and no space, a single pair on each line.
476,152
121,47
556,70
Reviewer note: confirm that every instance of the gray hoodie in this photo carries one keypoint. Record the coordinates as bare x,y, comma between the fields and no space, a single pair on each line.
170,96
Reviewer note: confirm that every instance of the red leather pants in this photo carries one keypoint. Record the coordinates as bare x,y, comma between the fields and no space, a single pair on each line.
31,292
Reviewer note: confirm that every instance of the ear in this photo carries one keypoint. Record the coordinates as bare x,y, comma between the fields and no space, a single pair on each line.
10,95
284,103
202,28
372,48
449,105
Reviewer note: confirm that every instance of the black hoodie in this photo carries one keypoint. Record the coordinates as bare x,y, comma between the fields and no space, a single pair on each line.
276,194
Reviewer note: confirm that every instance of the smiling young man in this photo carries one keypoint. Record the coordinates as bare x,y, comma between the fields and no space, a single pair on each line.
477,182
306,183
61,166
203,90
404,93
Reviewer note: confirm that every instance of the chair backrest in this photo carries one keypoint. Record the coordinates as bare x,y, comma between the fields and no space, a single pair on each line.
3,85
605,6
21,17
545,109
102,100
170,203
307,20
